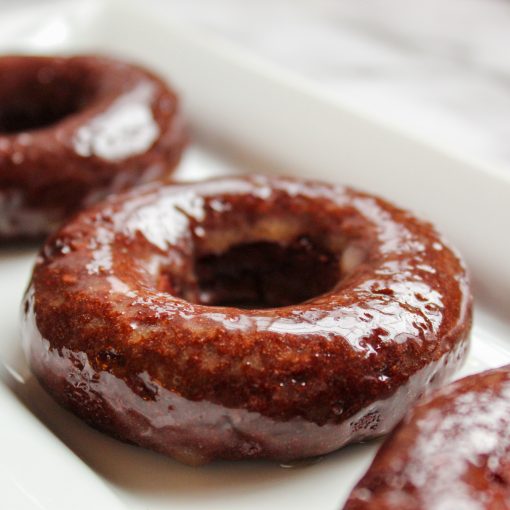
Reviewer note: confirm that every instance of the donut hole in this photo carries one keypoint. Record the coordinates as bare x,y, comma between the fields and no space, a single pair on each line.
262,275
40,98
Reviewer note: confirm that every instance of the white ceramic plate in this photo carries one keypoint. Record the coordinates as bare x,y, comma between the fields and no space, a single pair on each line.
246,116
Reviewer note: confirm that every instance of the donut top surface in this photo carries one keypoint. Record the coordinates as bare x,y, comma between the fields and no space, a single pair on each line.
451,452
106,106
283,297
72,130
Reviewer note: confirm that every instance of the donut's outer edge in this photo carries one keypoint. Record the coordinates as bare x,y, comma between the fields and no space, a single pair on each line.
450,451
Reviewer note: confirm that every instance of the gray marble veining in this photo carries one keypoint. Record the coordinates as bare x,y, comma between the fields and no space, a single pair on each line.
439,70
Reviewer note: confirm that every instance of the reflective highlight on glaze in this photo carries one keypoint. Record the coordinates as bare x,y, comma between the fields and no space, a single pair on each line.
127,128
73,130
281,383
450,452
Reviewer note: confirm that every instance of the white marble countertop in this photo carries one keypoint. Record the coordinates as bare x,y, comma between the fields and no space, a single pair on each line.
438,69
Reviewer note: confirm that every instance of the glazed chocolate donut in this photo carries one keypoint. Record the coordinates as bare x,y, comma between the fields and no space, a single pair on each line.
245,317
73,130
451,451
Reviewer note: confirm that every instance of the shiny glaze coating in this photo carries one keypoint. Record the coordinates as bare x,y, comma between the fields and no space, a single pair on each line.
115,325
451,451
73,130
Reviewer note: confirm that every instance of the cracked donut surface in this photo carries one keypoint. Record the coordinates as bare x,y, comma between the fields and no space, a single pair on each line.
245,317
